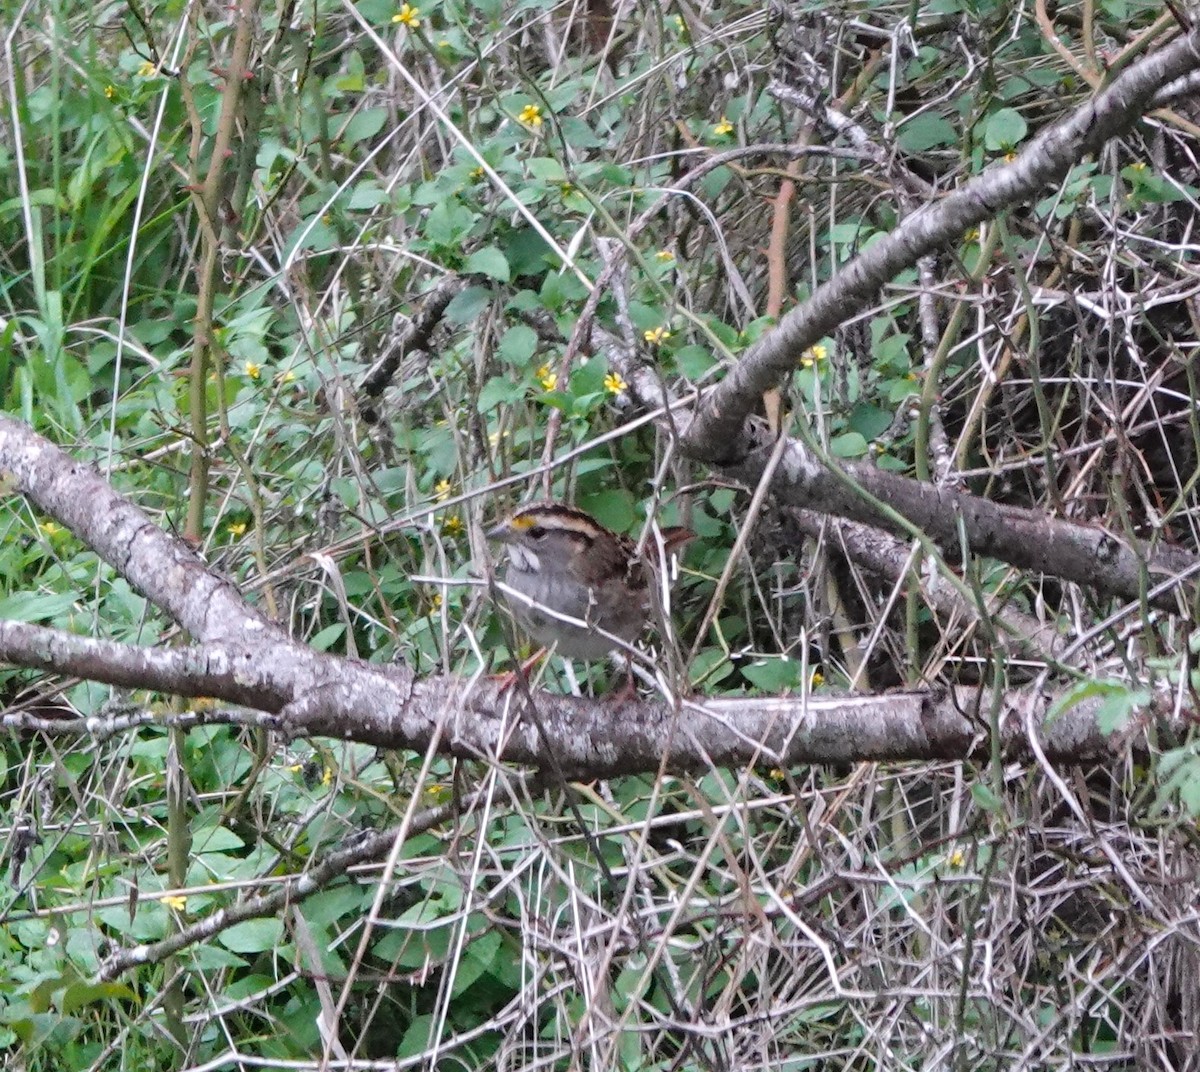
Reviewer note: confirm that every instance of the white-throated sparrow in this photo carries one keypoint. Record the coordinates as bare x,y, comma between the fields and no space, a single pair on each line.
563,564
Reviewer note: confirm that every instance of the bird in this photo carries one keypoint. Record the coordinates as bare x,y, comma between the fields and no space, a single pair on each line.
573,584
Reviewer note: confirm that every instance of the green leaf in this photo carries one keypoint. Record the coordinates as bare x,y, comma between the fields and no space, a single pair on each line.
367,194
326,638
477,958
488,261
34,1031
1189,794
613,509
327,907
1179,776
417,1038
498,391
710,667
527,252
518,345
1115,711
312,233
448,223
774,675
423,934
215,839
870,421
253,936
77,995
210,957
547,169
36,606
559,400
891,353
351,83
694,361
1084,690
363,125
36,198
848,445
898,389
847,234
726,333
467,305
985,798
926,131
1005,130
760,326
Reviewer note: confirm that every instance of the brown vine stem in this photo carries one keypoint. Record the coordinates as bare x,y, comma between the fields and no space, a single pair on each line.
206,201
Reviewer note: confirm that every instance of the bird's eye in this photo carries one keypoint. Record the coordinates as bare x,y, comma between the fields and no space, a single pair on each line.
538,532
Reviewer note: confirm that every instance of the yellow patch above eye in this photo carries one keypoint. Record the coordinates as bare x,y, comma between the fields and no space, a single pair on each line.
522,523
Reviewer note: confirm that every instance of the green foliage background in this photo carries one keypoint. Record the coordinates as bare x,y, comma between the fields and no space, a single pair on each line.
380,150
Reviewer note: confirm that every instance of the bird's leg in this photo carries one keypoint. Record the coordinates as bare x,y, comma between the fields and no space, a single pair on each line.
628,691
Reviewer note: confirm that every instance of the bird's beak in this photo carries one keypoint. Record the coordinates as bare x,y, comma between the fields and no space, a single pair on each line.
501,532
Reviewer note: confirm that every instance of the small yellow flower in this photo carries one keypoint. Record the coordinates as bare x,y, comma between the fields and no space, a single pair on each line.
566,189
548,379
435,604
50,528
957,858
296,768
287,376
110,91
656,336
776,774
972,235
437,792
531,115
1010,156
1139,166
452,525
723,128
814,355
147,70
476,174
817,680
327,777
174,901
495,437
408,16
441,490
253,369
443,43
614,385
236,528
664,255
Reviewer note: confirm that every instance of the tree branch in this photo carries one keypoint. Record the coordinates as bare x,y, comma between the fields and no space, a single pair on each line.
164,569
1085,554
318,694
717,433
